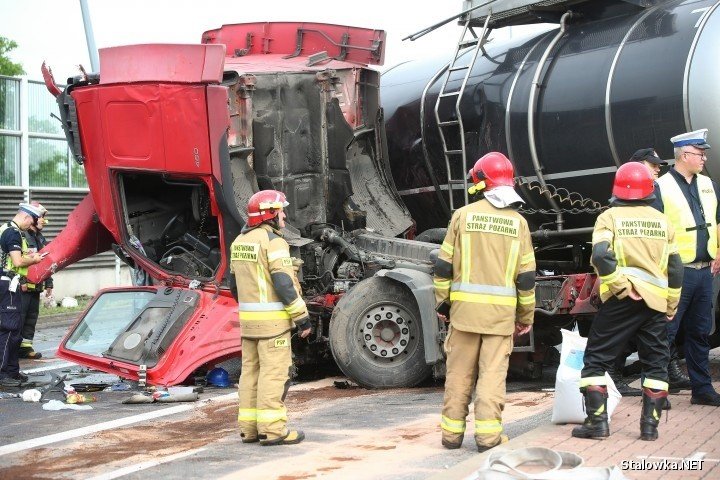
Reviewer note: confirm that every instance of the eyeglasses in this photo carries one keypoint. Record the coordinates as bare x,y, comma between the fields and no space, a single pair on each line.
704,157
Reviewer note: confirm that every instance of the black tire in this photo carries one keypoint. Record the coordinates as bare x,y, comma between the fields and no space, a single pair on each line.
432,235
358,350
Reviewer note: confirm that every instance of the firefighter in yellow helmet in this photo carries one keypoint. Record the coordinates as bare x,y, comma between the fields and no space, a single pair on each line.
636,257
485,272
270,305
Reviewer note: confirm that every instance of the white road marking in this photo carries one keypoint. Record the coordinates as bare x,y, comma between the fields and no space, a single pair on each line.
54,366
144,465
98,427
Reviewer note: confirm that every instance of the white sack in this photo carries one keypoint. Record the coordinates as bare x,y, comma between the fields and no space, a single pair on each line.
568,406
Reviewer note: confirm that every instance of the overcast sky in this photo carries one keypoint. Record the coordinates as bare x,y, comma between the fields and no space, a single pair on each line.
53,30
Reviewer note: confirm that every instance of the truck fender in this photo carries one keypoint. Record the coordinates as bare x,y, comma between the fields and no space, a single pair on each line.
421,286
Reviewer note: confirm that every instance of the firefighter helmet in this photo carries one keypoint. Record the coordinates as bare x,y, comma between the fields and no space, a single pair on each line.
265,205
491,170
219,377
633,181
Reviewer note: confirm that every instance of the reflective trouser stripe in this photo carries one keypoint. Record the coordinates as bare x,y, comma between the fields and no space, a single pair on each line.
488,426
655,384
588,381
269,315
247,415
447,248
483,298
511,266
526,299
297,306
452,426
269,416
26,344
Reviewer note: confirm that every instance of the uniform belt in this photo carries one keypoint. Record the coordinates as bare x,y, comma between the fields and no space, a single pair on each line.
697,265
702,226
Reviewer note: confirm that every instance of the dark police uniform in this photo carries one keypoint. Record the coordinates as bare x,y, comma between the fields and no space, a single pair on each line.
10,306
695,309
31,297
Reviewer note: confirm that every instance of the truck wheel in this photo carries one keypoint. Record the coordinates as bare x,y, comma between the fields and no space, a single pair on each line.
432,235
376,335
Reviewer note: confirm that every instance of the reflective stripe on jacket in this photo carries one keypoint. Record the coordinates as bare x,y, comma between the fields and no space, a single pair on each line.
24,250
485,252
632,247
678,211
269,296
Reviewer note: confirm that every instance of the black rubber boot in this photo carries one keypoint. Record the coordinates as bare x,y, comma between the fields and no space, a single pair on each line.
652,407
677,378
596,423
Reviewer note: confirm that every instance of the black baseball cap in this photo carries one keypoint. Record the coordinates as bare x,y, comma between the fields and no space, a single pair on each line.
648,155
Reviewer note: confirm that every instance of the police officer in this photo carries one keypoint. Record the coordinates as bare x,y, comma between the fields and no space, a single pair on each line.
486,271
15,256
691,202
636,257
270,305
31,291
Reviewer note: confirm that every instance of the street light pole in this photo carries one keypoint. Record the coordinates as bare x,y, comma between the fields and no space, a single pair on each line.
89,36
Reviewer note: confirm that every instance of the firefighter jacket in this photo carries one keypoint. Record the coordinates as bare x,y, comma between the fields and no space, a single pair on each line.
678,211
269,296
8,264
486,268
634,246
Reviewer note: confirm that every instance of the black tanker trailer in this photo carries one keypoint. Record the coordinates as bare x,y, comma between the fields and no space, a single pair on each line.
567,104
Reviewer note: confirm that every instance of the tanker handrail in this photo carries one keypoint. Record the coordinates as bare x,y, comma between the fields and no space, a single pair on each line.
532,104
426,30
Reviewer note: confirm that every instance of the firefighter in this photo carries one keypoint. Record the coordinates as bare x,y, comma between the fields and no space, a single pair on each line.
15,260
636,257
485,272
270,305
692,203
31,291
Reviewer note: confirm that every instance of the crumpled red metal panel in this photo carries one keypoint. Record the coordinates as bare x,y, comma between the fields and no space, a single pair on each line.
83,237
351,44
162,63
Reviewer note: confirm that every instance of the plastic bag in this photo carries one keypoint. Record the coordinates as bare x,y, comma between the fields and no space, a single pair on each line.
568,406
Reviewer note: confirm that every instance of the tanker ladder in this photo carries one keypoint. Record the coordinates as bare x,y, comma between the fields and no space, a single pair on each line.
451,120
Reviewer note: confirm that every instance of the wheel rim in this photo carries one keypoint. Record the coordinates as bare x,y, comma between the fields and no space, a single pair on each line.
387,333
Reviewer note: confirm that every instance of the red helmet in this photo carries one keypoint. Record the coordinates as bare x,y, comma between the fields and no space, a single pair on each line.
265,205
633,181
492,170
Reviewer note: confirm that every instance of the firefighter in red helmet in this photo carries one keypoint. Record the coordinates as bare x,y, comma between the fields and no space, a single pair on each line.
485,282
270,306
636,257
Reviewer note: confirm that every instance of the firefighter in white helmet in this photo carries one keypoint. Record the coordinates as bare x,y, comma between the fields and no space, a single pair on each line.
486,273
270,306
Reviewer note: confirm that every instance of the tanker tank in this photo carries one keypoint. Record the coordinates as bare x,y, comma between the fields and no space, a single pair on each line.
620,77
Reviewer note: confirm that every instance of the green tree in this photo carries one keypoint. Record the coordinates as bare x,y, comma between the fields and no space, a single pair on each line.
8,67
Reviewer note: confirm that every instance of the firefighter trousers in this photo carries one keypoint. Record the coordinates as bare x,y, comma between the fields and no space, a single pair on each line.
10,326
618,321
476,361
264,382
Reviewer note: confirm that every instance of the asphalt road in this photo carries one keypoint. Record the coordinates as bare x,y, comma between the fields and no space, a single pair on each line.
351,432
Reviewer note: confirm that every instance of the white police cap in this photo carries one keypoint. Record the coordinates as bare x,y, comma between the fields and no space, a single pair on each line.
31,210
697,139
